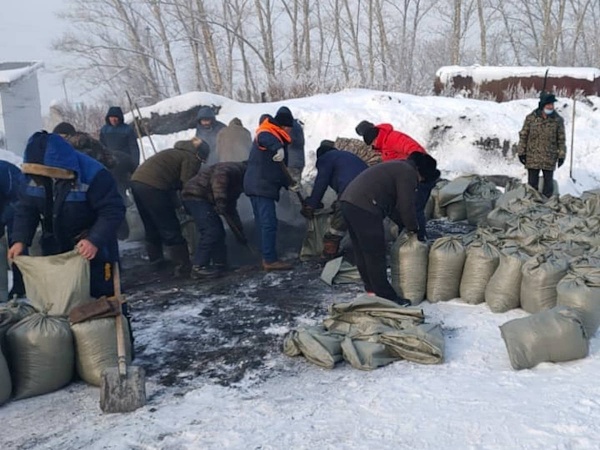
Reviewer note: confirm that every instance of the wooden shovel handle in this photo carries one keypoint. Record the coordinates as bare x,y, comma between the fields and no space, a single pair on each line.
122,361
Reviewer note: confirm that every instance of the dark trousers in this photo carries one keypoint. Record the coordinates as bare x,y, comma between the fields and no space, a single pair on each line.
368,241
157,211
421,196
211,233
265,218
533,178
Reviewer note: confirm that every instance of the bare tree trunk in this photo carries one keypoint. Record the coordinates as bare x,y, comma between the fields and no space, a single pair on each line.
209,46
307,33
338,38
266,32
482,32
293,15
354,41
165,41
456,32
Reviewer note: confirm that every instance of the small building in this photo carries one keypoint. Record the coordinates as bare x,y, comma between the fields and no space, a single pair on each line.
503,83
20,105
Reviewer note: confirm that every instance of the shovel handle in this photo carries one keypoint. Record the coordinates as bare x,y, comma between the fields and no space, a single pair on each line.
121,358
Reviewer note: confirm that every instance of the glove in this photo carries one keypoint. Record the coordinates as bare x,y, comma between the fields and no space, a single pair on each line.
221,207
523,159
561,161
278,157
307,211
294,187
421,236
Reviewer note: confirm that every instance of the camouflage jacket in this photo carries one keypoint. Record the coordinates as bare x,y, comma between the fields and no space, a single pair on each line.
87,145
360,149
542,140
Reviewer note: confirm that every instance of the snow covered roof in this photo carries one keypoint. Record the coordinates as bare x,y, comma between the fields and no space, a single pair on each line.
481,74
13,71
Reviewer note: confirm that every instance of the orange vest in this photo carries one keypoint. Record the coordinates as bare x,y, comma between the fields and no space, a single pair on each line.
273,129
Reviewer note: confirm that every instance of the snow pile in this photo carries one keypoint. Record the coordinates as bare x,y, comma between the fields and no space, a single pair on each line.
482,74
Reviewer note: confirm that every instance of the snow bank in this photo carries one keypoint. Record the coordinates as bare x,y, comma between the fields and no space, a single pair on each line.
481,74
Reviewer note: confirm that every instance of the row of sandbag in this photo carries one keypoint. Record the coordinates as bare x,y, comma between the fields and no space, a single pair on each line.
368,333
41,348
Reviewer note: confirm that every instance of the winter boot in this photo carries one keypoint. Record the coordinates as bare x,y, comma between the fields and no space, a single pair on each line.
155,255
276,265
402,301
205,272
181,257
331,246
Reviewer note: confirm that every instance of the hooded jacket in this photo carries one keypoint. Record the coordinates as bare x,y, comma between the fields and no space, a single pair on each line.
120,138
393,144
209,134
11,183
169,170
74,197
387,190
234,142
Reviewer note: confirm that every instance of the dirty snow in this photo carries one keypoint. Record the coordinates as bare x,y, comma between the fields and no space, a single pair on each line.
473,400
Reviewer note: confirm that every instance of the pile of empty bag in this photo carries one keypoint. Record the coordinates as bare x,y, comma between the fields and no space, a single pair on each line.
41,350
542,255
368,333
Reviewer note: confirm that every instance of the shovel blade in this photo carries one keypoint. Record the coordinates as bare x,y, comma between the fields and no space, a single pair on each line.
120,394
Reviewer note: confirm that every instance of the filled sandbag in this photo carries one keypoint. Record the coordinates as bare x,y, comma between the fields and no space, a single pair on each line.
480,198
524,191
409,260
5,382
40,355
499,217
454,190
312,245
541,275
480,264
444,271
554,335
12,312
580,290
316,344
456,211
521,229
96,347
438,210
503,291
56,284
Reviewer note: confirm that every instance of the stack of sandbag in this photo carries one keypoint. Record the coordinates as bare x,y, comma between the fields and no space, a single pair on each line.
480,199
445,267
369,332
409,260
554,335
482,259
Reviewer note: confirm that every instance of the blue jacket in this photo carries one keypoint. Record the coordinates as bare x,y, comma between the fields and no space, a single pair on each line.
265,177
86,206
120,139
209,134
335,168
11,182
296,148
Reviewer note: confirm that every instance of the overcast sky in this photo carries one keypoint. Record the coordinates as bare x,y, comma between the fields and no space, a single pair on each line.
27,29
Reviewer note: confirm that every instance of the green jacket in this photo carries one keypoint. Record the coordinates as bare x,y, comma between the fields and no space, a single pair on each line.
542,140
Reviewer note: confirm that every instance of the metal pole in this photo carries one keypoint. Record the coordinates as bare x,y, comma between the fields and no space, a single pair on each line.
572,139
136,125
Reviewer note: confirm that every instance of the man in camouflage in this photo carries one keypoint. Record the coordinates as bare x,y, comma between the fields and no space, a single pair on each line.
542,143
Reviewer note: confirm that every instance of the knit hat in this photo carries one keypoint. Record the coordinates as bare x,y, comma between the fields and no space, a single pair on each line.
362,127
64,128
284,117
324,147
202,148
426,166
370,134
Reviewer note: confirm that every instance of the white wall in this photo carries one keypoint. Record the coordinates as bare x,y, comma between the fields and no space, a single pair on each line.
20,112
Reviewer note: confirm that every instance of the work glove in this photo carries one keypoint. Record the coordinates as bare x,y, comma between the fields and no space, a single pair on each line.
561,161
523,159
221,207
294,187
307,211
279,156
422,236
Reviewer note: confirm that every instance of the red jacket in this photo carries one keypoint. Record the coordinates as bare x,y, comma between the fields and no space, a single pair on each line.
393,144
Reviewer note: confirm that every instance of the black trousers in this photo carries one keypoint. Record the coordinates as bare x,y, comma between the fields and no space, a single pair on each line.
368,241
157,211
533,178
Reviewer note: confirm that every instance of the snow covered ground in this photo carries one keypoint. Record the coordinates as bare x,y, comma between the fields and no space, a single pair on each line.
473,400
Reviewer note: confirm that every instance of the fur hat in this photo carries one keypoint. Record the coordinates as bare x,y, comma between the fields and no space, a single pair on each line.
362,127
426,166
64,128
49,155
324,147
370,134
284,117
546,98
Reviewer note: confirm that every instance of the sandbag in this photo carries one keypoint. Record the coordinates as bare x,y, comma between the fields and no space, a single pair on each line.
134,223
454,190
480,198
554,335
444,271
422,344
366,355
480,264
521,229
11,313
409,260
96,347
499,217
503,291
40,355
438,211
316,344
56,284
312,245
524,191
340,271
456,211
541,275
5,382
580,290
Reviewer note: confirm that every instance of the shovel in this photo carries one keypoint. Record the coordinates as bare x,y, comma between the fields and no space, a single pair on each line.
122,388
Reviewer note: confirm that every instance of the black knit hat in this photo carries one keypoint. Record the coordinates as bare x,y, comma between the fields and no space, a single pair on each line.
284,117
64,128
426,166
370,134
324,147
362,127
